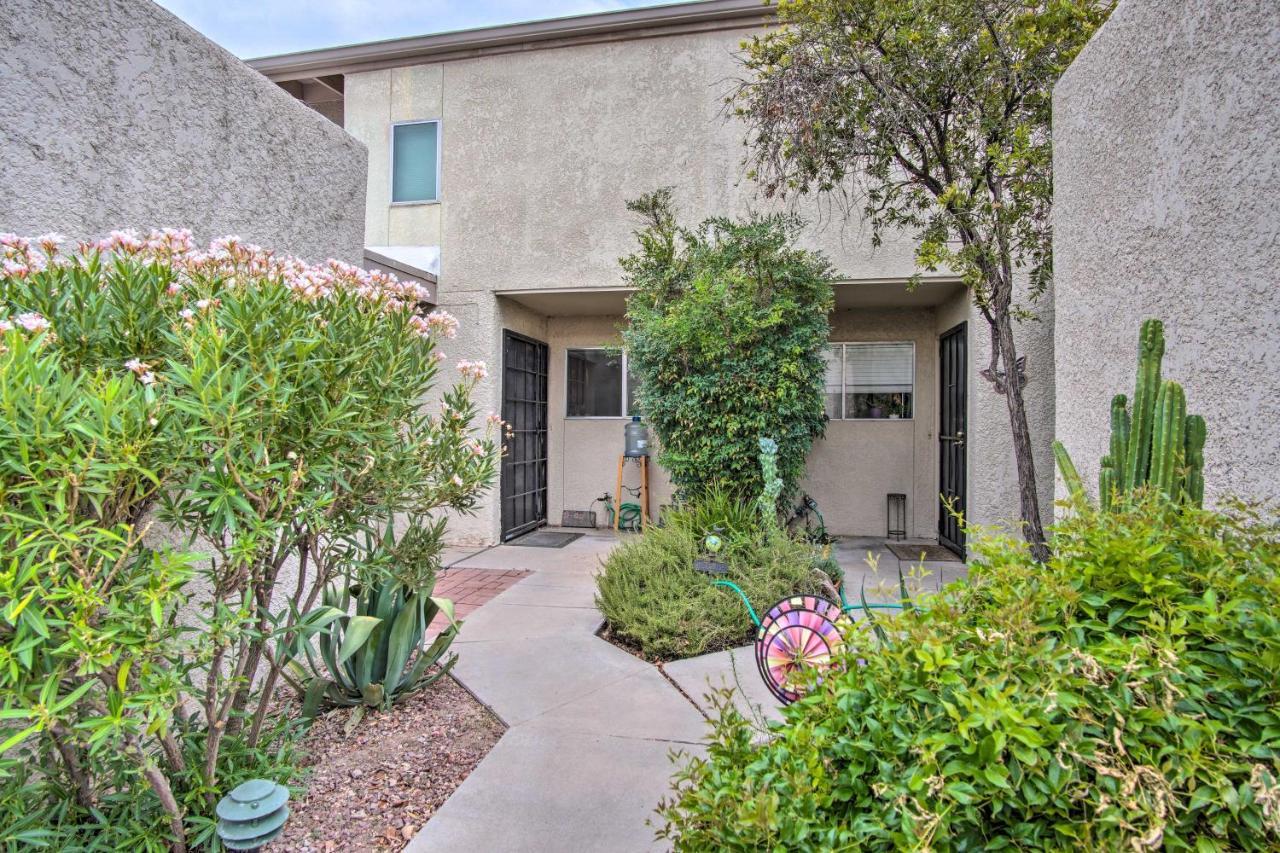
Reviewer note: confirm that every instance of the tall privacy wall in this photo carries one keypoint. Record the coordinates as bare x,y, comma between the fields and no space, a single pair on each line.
114,114
1167,204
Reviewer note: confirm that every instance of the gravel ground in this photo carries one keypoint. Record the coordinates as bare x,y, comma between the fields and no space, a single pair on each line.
373,789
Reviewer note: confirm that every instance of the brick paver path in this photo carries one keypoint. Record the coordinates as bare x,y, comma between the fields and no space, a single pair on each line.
470,588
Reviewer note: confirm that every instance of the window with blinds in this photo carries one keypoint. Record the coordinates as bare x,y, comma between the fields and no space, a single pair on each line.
415,162
870,381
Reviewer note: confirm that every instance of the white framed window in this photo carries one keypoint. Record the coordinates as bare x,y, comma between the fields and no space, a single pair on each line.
871,381
415,162
598,383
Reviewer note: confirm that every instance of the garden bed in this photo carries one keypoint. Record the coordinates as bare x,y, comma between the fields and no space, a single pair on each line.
375,788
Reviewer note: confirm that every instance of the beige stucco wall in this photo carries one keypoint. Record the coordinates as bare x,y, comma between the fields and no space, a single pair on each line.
857,462
374,101
115,114
540,151
850,470
1167,204
993,475
584,451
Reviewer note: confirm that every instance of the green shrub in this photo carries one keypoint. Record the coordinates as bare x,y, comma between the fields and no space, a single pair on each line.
717,510
654,600
1124,696
726,333
259,412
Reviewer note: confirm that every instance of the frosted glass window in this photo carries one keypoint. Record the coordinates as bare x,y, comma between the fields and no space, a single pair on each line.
415,161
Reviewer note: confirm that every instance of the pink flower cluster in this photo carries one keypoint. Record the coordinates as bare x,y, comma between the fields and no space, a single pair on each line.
30,322
17,258
473,369
141,370
437,322
168,242
235,262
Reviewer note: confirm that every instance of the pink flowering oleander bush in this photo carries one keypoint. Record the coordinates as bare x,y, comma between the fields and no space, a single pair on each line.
194,443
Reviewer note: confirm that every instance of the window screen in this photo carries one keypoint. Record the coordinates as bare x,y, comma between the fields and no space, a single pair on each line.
414,158
594,384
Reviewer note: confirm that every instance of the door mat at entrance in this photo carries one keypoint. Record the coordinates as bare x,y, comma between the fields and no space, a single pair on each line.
545,539
913,550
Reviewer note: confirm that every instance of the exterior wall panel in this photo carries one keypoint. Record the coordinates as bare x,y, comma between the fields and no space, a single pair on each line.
1167,204
115,114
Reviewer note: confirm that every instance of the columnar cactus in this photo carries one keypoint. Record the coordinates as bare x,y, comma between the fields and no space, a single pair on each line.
1119,441
1150,353
1108,481
1157,444
1169,440
1194,486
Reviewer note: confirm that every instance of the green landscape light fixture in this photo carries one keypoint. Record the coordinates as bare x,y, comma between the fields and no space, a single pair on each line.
252,814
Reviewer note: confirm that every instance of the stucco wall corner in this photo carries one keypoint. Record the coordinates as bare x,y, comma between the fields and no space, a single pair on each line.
1167,204
115,114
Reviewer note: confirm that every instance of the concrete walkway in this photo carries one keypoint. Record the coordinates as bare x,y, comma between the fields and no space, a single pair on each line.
587,756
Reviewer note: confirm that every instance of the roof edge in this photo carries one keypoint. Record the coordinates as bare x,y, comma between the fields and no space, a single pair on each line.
645,22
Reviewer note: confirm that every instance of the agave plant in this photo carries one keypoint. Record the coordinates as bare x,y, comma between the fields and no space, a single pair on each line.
378,654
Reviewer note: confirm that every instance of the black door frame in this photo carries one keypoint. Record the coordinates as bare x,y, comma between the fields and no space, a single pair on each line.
524,409
953,421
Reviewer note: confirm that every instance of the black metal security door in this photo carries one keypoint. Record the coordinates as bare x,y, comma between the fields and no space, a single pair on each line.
952,407
524,408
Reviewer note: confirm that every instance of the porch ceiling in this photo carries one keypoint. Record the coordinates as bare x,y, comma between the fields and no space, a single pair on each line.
893,293
581,302
612,301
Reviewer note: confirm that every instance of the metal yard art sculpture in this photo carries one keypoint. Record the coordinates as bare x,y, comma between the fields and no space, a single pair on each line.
798,634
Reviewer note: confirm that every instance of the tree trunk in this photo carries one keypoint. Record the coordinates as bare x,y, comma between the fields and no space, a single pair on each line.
1028,494
66,747
160,785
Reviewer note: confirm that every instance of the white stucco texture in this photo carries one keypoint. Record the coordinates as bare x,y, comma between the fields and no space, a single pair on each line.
1167,204
115,114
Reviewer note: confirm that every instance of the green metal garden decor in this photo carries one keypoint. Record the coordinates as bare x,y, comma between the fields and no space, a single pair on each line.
252,814
807,521
798,633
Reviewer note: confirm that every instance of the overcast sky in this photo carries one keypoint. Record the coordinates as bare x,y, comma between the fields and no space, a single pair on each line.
250,28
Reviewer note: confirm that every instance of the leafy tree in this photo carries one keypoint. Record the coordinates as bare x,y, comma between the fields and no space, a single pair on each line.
930,115
725,332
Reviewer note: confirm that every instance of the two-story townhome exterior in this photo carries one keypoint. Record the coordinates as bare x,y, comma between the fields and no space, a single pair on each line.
500,161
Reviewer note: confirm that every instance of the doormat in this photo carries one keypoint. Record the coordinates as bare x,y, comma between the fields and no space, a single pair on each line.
932,552
545,539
